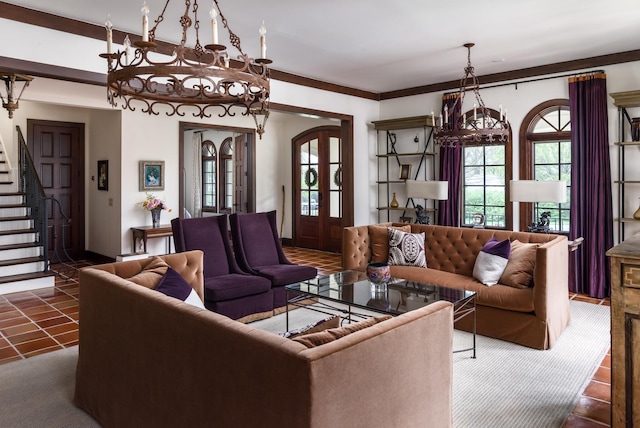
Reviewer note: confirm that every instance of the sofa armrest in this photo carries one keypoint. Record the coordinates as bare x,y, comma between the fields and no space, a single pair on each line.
551,286
356,247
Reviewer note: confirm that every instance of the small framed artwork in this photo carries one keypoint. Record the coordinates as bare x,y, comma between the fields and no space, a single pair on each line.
405,171
151,175
405,219
103,175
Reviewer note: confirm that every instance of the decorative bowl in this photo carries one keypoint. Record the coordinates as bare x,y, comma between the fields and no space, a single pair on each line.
378,273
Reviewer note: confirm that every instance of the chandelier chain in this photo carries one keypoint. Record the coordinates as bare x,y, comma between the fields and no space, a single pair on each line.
235,40
159,19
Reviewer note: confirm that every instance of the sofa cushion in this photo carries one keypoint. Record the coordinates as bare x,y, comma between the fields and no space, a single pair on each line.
380,241
234,286
173,284
281,275
151,273
322,325
316,339
519,270
406,249
491,261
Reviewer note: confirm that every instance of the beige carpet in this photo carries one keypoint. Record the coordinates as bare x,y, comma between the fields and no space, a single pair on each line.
506,386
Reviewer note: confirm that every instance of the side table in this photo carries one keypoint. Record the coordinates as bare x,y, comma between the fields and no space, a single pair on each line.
143,233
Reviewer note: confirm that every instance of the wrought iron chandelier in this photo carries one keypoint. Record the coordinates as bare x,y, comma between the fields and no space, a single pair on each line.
12,93
199,79
482,128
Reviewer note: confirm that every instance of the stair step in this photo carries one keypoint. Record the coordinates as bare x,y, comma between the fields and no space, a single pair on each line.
14,218
20,236
16,231
20,261
25,276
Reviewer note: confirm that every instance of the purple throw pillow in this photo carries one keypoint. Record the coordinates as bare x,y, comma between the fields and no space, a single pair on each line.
173,284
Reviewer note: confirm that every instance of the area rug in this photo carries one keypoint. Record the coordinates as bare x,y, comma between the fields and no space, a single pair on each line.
507,385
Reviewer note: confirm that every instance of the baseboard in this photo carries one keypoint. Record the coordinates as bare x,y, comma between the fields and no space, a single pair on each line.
287,242
98,258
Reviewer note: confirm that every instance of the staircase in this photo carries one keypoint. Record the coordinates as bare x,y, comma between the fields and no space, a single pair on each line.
23,261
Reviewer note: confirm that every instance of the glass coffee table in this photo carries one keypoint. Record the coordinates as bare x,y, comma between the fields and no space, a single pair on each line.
356,293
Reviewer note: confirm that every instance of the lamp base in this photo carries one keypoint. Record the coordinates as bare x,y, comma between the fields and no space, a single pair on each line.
543,225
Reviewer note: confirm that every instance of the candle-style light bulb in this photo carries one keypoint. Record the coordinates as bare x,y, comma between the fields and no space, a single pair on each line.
214,25
500,112
433,118
145,22
127,48
109,26
263,41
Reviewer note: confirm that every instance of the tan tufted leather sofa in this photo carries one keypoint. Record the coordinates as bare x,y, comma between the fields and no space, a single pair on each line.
534,316
148,360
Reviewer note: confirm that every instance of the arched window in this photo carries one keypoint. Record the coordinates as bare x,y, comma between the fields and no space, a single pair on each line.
485,172
209,176
545,147
226,176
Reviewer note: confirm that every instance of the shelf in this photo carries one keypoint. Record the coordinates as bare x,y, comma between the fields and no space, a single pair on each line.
627,220
627,143
626,99
410,209
392,182
403,123
389,155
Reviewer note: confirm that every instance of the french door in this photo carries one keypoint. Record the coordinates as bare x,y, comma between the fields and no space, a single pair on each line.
318,201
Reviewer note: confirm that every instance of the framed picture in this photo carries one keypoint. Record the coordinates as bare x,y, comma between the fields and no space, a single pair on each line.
405,171
103,175
151,175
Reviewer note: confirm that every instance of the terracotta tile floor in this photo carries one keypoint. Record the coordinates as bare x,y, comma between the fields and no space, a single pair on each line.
45,320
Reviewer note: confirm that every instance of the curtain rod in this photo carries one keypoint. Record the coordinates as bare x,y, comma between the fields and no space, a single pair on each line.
584,73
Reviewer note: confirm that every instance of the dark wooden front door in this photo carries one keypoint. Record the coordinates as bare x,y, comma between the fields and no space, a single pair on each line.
57,149
318,189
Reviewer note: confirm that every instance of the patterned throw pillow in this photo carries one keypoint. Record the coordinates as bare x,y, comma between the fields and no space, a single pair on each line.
491,261
324,324
406,249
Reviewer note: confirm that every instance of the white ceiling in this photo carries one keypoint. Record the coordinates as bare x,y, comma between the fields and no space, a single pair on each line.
381,46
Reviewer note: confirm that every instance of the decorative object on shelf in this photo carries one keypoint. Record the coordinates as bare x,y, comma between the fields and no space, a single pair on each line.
405,171
151,175
155,206
394,202
416,139
311,177
636,215
460,130
539,191
378,273
635,129
436,190
478,220
12,93
103,175
197,78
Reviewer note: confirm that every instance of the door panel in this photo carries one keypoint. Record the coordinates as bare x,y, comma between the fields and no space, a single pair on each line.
57,149
318,189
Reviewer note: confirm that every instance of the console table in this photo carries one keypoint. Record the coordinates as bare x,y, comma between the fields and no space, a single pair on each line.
143,233
625,332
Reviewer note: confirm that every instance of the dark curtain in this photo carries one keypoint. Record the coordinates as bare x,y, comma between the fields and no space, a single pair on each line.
450,168
591,212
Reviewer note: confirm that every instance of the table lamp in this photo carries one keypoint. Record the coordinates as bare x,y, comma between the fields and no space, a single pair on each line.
538,191
436,190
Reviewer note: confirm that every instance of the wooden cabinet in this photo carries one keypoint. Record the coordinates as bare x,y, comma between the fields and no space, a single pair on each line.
625,333
628,182
404,145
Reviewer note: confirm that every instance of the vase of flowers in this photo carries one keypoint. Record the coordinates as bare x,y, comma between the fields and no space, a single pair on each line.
155,205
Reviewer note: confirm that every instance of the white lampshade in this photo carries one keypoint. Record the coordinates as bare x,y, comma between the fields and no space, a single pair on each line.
438,190
538,191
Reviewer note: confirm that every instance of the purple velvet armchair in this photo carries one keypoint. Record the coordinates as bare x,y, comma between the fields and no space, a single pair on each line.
257,248
227,289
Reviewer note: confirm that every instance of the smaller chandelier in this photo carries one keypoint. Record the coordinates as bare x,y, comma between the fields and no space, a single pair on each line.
482,128
202,79
12,93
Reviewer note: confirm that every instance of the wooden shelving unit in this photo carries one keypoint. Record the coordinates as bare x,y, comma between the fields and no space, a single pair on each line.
625,101
395,147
